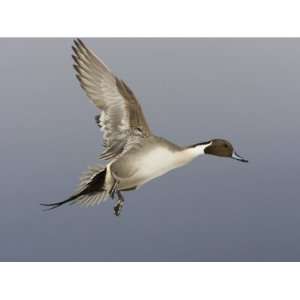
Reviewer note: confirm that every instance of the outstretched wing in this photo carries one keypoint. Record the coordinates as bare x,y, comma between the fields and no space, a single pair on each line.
121,114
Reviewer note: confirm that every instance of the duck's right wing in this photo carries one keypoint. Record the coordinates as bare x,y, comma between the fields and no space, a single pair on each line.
122,114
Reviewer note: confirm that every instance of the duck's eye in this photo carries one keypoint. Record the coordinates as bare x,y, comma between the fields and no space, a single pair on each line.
225,145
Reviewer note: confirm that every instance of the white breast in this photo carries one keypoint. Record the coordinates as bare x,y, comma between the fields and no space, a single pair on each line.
154,164
157,162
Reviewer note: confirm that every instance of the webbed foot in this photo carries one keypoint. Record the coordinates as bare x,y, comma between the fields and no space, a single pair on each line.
119,205
118,208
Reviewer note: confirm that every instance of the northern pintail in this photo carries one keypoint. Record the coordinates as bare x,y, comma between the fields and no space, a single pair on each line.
134,154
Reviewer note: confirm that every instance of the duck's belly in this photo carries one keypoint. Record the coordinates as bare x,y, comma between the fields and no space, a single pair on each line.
133,171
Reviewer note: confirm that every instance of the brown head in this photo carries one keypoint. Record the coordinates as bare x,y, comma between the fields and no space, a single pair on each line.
222,148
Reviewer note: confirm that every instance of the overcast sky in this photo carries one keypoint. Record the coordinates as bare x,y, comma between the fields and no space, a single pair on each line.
191,90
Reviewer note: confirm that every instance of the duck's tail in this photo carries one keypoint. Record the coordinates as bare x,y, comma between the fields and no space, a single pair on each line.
91,189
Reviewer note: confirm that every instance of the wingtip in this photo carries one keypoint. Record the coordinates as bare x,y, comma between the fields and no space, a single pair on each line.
78,78
76,68
76,41
74,48
79,43
75,59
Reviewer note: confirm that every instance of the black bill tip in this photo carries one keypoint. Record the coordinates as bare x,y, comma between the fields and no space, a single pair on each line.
238,157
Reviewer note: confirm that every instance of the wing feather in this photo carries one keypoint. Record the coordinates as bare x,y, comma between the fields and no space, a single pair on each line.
121,113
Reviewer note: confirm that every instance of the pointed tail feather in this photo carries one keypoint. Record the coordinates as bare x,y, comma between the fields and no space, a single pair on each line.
90,191
58,204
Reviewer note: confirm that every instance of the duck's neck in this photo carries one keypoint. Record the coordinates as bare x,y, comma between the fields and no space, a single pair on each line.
191,152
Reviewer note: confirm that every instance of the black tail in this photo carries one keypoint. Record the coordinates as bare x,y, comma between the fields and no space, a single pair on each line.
90,189
58,204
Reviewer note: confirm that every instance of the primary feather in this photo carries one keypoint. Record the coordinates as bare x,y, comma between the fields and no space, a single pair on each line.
121,114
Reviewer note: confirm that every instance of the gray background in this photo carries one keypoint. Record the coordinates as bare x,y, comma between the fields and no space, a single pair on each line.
245,90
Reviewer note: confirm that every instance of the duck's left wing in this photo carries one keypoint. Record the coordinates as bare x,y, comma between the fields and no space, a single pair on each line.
121,114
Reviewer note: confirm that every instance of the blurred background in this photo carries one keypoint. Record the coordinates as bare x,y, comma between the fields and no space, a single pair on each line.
191,90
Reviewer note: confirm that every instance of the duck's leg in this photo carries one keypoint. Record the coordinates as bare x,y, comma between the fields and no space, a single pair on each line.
113,190
119,204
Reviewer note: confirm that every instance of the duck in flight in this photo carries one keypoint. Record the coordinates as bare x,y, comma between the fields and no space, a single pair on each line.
134,154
